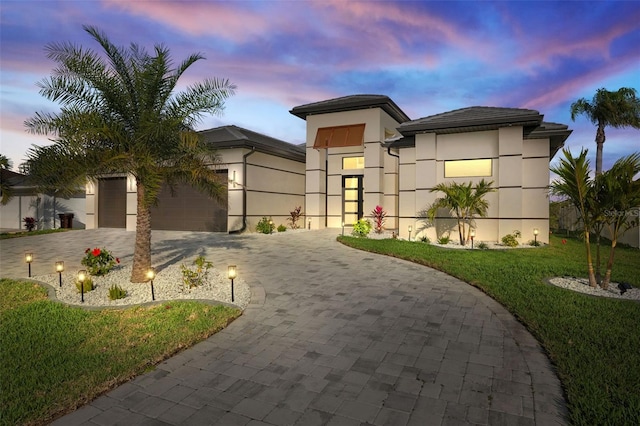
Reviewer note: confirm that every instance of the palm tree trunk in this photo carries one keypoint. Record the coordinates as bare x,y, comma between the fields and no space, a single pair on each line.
598,273
461,231
592,277
607,275
600,138
142,252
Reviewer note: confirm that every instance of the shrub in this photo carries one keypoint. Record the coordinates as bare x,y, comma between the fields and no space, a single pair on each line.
87,287
444,239
29,223
362,228
425,239
295,216
196,277
265,226
378,214
282,228
534,243
482,245
99,261
510,240
117,292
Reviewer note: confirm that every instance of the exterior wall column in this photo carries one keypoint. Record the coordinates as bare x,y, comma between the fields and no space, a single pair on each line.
510,170
91,204
132,203
315,188
427,176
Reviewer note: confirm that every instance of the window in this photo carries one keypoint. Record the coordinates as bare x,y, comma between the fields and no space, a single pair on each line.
353,163
467,168
339,136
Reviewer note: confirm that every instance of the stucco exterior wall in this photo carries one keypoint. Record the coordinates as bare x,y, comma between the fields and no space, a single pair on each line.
44,209
324,172
519,171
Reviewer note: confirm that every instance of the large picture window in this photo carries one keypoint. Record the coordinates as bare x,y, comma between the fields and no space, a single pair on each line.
468,168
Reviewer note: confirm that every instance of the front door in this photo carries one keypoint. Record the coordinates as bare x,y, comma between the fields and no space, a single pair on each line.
352,199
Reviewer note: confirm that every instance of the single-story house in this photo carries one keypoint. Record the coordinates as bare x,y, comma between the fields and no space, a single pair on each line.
362,151
44,208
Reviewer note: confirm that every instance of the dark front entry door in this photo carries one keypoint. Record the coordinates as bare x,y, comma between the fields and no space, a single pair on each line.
352,199
112,202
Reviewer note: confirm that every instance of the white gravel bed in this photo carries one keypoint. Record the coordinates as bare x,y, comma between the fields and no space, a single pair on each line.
167,285
582,285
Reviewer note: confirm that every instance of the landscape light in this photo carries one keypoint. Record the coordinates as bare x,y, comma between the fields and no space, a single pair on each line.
473,235
82,276
232,273
151,274
28,257
410,229
535,236
59,269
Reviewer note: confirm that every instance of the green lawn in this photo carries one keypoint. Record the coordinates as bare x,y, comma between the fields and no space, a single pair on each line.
18,234
56,357
594,342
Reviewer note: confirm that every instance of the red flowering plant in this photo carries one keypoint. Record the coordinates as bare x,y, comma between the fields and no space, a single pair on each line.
378,214
99,261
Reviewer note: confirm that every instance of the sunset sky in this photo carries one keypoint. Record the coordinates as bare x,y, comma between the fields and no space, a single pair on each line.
428,57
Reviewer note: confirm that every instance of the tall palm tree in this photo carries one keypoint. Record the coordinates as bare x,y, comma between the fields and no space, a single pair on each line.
5,186
465,201
615,109
618,195
120,114
575,184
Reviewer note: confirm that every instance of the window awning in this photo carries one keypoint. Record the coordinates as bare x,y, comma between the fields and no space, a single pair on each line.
340,136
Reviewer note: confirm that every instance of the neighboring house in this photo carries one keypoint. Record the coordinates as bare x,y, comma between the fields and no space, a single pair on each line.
363,151
45,208
265,177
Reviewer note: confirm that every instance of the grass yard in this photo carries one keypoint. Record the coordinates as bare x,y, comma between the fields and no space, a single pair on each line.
594,342
56,357
18,234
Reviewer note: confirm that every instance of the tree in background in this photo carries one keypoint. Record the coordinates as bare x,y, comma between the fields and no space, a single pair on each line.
120,114
5,186
464,201
614,109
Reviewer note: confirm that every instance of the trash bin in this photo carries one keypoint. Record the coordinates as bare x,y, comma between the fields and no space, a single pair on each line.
66,220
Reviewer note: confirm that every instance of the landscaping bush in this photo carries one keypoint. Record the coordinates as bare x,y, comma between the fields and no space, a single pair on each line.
510,240
282,228
99,261
117,292
265,226
196,277
362,228
295,215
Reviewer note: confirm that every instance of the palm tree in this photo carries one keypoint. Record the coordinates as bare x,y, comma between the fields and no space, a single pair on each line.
575,184
120,115
618,194
465,201
5,185
615,109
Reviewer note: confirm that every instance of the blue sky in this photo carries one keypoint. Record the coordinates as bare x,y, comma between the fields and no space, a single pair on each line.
429,57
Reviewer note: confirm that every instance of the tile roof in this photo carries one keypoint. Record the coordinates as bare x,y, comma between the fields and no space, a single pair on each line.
351,103
237,137
472,119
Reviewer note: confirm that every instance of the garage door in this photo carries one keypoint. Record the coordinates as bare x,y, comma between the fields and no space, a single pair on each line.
112,203
188,210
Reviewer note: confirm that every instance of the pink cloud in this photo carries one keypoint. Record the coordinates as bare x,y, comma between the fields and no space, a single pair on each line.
232,21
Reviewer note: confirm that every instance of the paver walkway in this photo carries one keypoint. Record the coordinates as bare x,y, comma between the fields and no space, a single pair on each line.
333,336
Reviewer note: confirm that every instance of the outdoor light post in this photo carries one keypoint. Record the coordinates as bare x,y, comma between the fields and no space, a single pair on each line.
410,229
271,226
59,269
82,276
231,273
535,236
309,224
28,257
343,228
473,235
151,274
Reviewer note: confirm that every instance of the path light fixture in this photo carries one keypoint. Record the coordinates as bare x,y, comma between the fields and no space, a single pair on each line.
309,224
473,235
536,231
410,229
270,226
59,269
343,228
151,274
82,276
232,273
28,257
